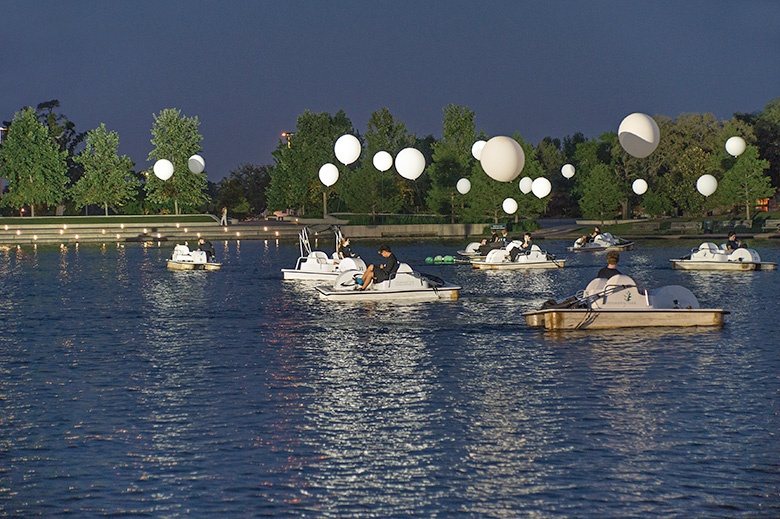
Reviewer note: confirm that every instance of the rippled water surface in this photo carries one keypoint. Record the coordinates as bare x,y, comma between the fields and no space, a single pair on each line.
129,390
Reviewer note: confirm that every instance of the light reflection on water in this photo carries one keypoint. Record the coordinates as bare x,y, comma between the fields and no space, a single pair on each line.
132,390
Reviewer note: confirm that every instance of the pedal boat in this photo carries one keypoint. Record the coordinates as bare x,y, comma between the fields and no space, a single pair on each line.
618,302
501,259
602,242
709,256
405,285
315,265
183,258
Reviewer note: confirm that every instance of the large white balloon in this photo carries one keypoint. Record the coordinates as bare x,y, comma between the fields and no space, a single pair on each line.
329,174
463,186
502,158
383,160
163,169
196,164
509,206
541,187
639,135
526,184
410,163
639,186
707,184
347,149
735,146
567,170
476,149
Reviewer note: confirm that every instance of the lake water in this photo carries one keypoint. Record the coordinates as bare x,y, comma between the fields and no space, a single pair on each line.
128,390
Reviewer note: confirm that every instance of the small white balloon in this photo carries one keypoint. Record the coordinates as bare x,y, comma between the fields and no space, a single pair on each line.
410,163
707,184
383,160
329,174
463,186
502,158
476,149
735,146
541,187
163,169
567,170
639,186
347,149
526,184
196,164
639,135
509,206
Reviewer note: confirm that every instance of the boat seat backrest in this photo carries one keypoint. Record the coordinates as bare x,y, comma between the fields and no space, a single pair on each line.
319,256
595,286
404,267
182,249
535,247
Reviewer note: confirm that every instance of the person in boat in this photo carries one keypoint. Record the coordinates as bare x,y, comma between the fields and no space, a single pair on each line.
734,243
488,244
345,251
524,248
206,247
382,273
596,232
613,257
587,238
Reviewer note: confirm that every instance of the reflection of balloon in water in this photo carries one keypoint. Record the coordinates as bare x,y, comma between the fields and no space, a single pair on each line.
410,163
526,184
735,146
163,169
383,161
541,187
639,135
502,158
706,185
463,186
196,164
329,174
567,170
476,149
509,206
639,186
347,149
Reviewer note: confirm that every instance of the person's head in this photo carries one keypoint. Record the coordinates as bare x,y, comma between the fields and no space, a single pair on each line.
503,232
613,257
732,236
201,241
344,242
527,236
597,230
384,250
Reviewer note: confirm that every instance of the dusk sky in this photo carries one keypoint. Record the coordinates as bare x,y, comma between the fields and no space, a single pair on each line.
248,69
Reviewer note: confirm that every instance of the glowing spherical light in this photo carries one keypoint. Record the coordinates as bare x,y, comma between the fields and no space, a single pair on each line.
329,174
410,163
502,158
526,184
347,149
735,146
567,170
196,164
163,169
706,184
382,160
509,206
639,135
541,187
639,186
463,186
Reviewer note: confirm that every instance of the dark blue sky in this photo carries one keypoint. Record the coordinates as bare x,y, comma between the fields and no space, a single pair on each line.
247,69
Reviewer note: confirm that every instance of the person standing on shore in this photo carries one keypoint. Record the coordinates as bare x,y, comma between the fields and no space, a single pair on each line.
223,220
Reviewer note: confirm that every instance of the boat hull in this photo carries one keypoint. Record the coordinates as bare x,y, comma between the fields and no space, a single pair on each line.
582,318
722,265
189,265
517,265
620,247
427,294
303,275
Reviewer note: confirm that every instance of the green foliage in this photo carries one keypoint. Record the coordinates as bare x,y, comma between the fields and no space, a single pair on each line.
33,164
243,193
108,179
601,194
745,181
176,138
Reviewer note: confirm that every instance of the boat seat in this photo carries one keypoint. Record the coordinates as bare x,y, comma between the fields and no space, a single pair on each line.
404,267
319,256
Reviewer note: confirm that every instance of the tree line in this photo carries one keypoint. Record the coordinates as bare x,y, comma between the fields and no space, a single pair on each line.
49,167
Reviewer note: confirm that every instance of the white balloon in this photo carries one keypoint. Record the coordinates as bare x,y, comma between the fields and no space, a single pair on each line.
476,149
735,146
639,135
707,184
410,163
541,187
639,186
502,158
329,174
196,164
509,206
163,169
567,170
347,149
383,160
463,186
526,184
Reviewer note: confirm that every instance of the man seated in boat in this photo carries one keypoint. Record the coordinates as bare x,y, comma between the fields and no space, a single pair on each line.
488,244
384,271
345,251
524,247
734,243
613,257
588,238
206,247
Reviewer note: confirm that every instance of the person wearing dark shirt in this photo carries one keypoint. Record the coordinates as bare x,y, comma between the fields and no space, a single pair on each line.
611,269
345,251
384,271
733,242
207,247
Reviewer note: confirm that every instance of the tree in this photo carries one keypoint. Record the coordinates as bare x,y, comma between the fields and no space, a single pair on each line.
745,181
108,178
244,191
680,182
601,196
176,138
33,164
64,133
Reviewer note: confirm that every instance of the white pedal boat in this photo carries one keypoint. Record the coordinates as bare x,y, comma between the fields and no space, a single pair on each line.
471,250
501,259
618,302
315,265
185,259
709,256
602,242
405,285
